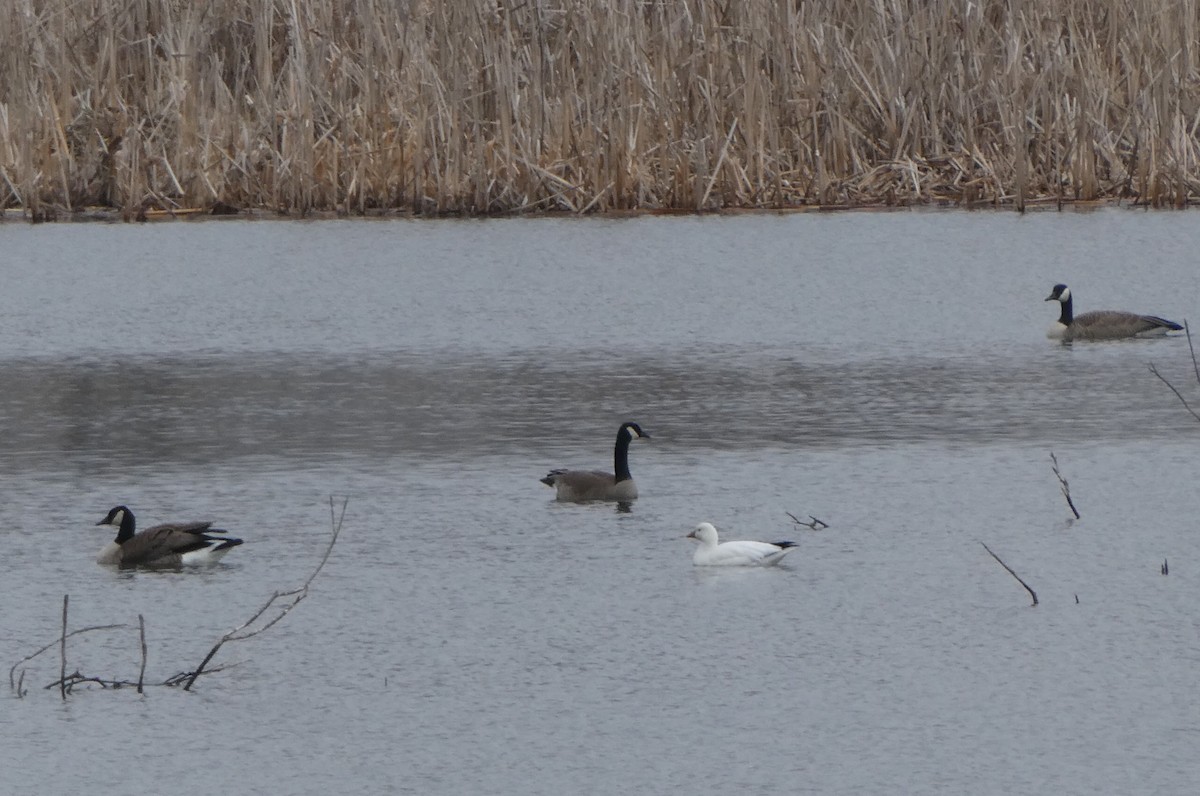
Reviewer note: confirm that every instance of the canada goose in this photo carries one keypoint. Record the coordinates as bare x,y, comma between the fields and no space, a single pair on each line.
734,554
1102,324
580,485
163,545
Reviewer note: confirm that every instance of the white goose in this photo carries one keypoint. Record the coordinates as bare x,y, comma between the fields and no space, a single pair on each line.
735,554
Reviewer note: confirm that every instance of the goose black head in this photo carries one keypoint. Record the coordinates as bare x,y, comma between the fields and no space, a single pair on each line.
1061,293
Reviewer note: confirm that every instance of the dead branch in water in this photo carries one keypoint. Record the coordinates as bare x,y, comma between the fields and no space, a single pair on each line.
1195,369
142,636
1032,593
15,685
815,524
63,649
69,681
66,682
1178,394
1063,485
296,594
1191,350
1164,570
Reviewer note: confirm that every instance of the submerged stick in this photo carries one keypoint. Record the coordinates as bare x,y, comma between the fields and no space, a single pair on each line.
33,655
1178,394
1032,593
1063,485
1191,350
296,594
142,635
815,524
1195,369
62,651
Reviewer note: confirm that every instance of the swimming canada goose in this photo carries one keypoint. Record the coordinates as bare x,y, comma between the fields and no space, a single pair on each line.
1102,324
580,485
735,554
163,545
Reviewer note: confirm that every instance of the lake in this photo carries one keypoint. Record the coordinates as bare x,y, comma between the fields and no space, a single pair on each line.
887,373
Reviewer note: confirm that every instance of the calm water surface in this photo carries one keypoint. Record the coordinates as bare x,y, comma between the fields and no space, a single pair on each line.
887,373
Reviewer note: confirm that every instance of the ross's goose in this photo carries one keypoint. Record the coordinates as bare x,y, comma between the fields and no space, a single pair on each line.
710,553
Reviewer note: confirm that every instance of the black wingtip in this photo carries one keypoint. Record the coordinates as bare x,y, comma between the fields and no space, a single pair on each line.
784,544
227,543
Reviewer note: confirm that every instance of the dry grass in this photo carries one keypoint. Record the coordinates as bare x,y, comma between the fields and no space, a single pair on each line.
471,106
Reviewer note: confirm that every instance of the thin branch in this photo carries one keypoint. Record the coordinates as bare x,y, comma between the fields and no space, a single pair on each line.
1032,593
815,524
297,595
1178,395
180,677
1063,485
51,645
1192,351
62,650
78,678
142,635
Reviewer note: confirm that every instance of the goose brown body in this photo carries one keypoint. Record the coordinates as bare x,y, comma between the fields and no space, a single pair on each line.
585,485
1103,324
167,545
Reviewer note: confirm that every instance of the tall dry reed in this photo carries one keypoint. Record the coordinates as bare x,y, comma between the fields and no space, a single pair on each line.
493,106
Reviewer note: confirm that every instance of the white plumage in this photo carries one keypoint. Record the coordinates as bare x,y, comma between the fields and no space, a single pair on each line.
712,553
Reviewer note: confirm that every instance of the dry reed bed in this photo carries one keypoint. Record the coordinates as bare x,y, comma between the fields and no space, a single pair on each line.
470,106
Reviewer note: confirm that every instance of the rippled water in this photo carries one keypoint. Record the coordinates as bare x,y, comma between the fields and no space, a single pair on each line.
887,373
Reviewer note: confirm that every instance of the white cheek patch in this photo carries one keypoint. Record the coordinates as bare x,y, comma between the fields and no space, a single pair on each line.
118,518
1066,294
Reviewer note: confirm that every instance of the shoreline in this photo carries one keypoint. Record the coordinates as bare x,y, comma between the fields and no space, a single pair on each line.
112,215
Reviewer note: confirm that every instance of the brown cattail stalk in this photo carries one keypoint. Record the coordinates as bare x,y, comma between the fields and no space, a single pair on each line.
477,106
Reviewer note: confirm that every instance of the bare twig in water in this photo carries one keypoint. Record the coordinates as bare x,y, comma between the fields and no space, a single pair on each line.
1164,569
62,650
1178,394
142,636
182,677
1191,350
1195,369
1063,485
78,678
68,681
815,524
1032,593
31,656
241,634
